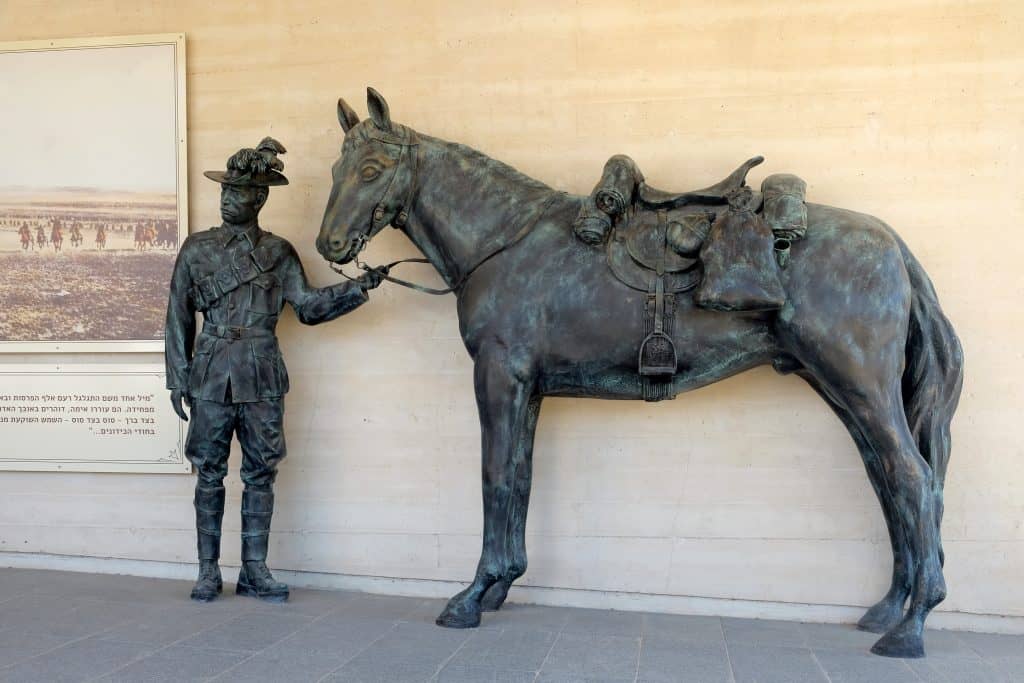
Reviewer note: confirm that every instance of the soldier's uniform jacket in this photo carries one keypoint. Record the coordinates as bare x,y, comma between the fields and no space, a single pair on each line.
240,280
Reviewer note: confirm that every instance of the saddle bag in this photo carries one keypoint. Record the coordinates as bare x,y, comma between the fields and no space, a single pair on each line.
784,208
740,269
785,211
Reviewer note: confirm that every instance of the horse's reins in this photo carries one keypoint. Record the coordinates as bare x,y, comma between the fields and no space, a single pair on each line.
398,217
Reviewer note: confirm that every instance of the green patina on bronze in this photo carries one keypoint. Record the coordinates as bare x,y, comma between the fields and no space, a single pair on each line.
542,313
232,377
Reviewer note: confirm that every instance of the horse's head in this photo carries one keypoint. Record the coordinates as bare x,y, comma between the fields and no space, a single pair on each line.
373,180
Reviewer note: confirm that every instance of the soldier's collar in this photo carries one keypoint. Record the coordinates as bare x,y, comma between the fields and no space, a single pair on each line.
252,233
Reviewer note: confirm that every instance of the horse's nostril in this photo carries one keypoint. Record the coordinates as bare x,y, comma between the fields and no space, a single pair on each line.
336,243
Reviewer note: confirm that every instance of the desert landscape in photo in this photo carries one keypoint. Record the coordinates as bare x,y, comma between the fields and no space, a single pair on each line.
85,264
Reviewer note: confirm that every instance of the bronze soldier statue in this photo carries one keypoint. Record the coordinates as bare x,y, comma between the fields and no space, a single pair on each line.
234,378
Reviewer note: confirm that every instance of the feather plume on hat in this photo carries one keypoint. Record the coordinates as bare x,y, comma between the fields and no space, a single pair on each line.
259,166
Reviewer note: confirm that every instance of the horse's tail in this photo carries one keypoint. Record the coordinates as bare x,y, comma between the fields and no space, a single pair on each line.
933,375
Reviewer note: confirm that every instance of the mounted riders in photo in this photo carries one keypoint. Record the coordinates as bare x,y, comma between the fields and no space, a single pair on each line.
76,234
57,234
25,233
679,291
233,376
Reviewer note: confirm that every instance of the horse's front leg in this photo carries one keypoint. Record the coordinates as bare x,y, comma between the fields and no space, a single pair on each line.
503,385
495,596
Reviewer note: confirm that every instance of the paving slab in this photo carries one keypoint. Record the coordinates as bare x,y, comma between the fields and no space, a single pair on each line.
665,659
281,663
248,632
408,652
774,664
17,645
79,660
506,650
177,663
848,666
592,657
683,627
764,632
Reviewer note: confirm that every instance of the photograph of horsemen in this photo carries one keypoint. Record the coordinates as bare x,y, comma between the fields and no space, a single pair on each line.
92,211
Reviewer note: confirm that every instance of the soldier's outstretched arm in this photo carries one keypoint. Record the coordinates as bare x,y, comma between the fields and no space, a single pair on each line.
179,333
314,305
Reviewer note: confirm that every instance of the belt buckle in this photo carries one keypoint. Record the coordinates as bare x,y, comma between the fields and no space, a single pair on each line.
232,332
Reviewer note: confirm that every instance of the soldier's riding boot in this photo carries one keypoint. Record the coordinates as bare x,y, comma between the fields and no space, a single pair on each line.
209,503
255,579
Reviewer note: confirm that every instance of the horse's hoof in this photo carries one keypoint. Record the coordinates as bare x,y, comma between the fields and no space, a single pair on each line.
904,641
495,596
459,615
881,617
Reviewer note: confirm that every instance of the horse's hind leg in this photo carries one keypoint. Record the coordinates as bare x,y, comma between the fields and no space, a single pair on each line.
883,423
887,612
503,389
495,596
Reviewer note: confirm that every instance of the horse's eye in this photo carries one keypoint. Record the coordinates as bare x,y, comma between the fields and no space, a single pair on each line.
369,172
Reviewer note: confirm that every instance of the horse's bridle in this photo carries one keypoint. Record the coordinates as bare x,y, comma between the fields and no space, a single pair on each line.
386,211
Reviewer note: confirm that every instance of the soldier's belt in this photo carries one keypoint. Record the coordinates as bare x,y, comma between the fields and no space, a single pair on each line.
233,332
246,267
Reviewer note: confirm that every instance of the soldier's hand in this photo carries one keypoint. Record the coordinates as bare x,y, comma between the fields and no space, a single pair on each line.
177,396
371,279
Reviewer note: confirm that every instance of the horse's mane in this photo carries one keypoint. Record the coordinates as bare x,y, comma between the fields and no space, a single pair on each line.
367,129
498,168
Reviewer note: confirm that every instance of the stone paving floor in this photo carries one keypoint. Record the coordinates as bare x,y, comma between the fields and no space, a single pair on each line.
60,626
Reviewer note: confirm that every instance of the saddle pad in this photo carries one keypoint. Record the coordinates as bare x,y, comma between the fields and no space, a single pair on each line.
633,275
645,236
638,248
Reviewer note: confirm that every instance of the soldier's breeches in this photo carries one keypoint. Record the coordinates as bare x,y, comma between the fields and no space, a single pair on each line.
208,442
260,429
261,435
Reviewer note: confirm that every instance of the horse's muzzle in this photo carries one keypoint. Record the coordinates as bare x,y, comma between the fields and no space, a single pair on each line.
340,251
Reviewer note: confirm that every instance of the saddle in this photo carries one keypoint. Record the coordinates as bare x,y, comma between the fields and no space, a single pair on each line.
622,186
666,243
714,195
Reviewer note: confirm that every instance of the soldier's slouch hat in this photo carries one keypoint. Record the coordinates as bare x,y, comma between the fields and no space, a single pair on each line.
259,167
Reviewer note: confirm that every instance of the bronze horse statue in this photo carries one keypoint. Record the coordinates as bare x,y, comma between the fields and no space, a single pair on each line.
541,314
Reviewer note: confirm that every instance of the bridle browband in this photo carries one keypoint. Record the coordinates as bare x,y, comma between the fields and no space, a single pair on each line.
385,213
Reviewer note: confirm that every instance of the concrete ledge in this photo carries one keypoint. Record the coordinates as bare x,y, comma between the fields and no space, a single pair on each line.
537,595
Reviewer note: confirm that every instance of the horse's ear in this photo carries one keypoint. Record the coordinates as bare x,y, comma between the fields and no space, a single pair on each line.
347,116
379,111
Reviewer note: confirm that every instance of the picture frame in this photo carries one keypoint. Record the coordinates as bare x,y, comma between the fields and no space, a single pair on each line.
118,167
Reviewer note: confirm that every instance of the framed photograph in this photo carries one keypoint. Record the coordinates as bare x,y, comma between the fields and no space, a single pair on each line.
93,191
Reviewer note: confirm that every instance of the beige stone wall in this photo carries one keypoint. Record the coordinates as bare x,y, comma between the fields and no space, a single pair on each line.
748,490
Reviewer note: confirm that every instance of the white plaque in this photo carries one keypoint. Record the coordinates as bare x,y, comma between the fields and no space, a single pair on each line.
89,418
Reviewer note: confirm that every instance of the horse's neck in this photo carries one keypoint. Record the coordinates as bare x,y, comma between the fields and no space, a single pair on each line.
467,205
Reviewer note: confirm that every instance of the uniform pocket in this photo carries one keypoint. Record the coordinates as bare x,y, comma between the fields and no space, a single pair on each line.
267,359
204,344
201,356
265,295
